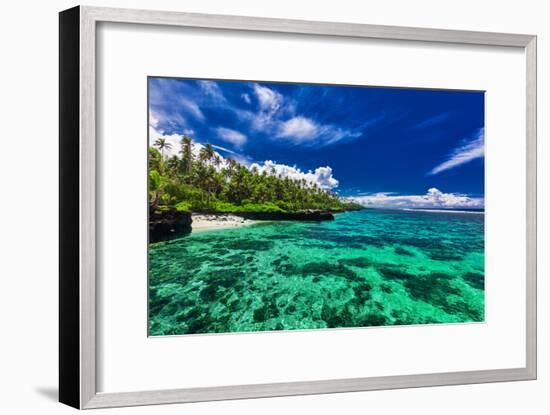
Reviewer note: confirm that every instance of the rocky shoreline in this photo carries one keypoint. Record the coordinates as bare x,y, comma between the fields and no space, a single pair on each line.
170,222
303,215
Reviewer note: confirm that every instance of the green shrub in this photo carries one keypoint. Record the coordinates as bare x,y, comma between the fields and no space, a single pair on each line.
228,207
260,208
221,207
183,206
154,180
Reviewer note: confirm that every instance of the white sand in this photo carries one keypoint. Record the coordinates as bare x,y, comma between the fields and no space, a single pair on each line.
209,222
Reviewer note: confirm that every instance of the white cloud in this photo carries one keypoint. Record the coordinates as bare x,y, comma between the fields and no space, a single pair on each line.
153,119
298,128
212,90
430,122
171,101
267,117
304,131
243,159
472,150
269,100
434,198
175,142
278,118
191,108
161,120
331,134
246,98
172,139
223,149
322,176
231,136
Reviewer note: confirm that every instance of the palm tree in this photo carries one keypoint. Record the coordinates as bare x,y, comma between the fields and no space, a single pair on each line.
230,168
207,153
232,165
162,144
199,180
173,164
217,160
200,177
186,154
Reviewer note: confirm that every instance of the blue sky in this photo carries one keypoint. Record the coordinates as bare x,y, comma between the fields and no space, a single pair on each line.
383,146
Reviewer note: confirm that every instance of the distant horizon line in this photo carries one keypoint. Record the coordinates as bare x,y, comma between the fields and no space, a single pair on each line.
426,209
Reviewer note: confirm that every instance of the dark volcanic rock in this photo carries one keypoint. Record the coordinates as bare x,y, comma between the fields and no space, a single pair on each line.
307,215
168,223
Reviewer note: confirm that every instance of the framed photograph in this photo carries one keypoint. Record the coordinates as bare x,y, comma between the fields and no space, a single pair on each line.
255,207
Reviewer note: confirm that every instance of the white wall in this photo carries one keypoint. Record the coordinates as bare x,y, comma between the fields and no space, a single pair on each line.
28,163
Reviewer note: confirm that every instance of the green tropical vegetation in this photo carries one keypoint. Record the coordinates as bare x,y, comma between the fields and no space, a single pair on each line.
204,183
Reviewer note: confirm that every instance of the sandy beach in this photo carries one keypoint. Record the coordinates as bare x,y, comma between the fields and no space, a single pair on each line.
209,222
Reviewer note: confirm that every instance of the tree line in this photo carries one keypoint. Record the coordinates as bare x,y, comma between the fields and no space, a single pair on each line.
204,183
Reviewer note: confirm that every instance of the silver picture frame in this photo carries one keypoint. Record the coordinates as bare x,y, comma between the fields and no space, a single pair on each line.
77,277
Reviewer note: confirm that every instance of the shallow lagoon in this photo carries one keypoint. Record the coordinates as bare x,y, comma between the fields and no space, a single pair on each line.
366,268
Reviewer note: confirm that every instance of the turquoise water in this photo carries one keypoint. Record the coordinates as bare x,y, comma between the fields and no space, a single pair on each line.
366,268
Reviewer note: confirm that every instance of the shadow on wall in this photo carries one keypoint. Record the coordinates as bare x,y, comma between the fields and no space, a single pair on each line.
49,393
